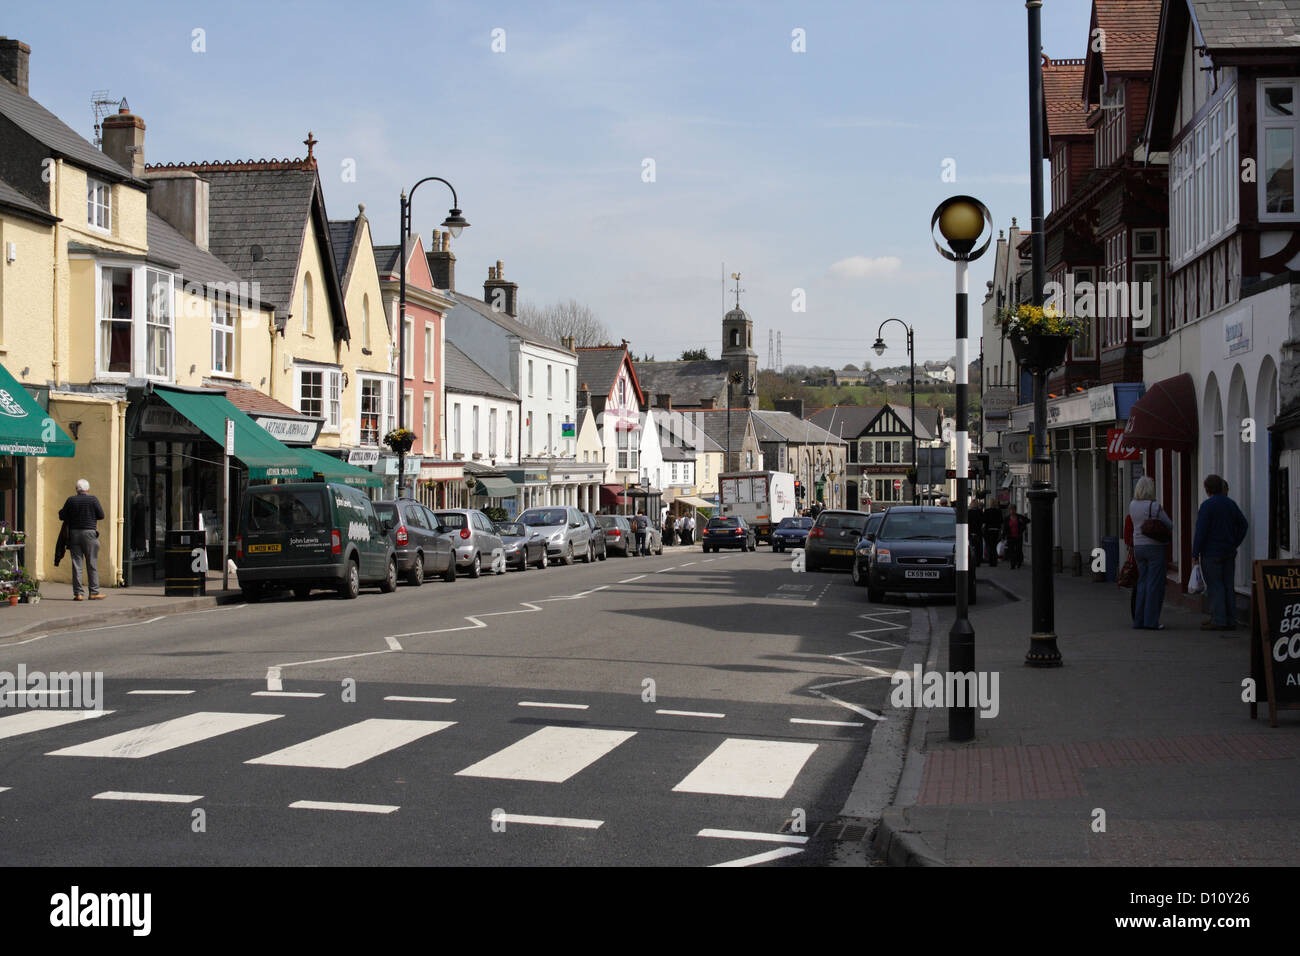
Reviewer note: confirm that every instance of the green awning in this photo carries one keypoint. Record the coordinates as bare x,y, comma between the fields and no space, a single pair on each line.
25,427
496,488
335,469
264,456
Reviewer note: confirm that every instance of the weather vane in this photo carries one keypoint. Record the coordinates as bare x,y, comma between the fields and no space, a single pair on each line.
736,276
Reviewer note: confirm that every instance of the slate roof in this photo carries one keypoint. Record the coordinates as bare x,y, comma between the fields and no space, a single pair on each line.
686,382
342,233
714,424
784,427
676,453
598,369
1063,103
678,430
463,374
23,205
194,265
1248,24
854,418
511,325
62,140
386,259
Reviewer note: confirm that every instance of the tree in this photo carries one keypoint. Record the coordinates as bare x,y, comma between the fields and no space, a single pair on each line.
694,355
849,368
562,319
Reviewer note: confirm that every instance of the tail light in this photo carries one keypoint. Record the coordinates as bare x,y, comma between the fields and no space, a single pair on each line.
816,533
615,532
239,548
737,531
336,542
402,536
464,533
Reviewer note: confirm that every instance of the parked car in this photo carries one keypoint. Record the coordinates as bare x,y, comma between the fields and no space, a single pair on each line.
862,553
654,537
476,543
791,533
914,553
419,539
565,530
728,532
619,537
523,546
833,539
598,545
308,535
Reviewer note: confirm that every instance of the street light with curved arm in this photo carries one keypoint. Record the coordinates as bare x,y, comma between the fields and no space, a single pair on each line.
879,346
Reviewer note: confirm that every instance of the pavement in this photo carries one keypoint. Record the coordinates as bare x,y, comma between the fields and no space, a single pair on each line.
1137,752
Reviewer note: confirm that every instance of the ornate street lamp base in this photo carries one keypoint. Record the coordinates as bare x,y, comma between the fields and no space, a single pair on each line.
1043,651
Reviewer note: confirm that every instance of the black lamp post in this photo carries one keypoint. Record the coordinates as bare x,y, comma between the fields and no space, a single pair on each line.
454,223
1043,651
879,346
962,220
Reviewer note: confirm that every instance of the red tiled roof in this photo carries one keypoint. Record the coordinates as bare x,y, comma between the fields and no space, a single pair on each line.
1067,114
254,402
1131,30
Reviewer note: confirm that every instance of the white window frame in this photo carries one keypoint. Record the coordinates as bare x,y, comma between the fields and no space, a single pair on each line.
1265,124
430,426
225,332
142,327
308,305
510,430
387,411
408,410
492,432
99,205
455,429
429,353
473,428
530,379
550,391
331,393
408,339
1158,301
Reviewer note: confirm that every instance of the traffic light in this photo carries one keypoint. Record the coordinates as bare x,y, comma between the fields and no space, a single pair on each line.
798,489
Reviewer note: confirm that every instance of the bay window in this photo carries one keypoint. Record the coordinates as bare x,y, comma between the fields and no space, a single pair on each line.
319,394
378,408
134,307
1279,134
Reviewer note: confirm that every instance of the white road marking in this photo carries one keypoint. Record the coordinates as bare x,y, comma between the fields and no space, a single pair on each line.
853,707
549,821
352,807
3,789
663,570
354,744
37,693
748,768
423,700
147,797
637,577
688,713
392,643
550,755
285,693
762,857
686,565
542,703
827,723
273,678
160,692
168,735
35,720
707,560
750,835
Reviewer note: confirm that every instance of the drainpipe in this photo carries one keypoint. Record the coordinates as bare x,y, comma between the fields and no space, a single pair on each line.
119,428
54,275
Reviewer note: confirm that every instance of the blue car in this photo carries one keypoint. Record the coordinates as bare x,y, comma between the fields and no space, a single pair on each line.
791,533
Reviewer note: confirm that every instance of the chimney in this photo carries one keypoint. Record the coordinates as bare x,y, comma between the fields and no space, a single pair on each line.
123,136
664,400
442,262
597,403
181,198
792,405
14,57
584,395
498,293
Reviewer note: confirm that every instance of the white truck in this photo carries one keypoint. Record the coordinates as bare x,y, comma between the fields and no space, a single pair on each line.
762,498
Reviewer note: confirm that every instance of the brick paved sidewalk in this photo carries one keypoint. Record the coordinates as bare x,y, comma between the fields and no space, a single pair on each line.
1147,727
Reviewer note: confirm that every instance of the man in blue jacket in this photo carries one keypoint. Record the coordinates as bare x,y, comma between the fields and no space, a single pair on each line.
1220,529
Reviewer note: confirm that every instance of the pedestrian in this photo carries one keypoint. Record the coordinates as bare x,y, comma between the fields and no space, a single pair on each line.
1152,532
992,532
642,525
975,522
1013,531
81,512
1220,530
1128,540
690,528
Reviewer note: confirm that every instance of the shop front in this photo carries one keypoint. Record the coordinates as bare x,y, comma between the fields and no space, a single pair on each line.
442,484
533,483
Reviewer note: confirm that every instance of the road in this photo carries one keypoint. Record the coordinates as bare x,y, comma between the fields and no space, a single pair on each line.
673,710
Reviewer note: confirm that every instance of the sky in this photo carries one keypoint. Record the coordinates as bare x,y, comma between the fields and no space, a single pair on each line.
616,153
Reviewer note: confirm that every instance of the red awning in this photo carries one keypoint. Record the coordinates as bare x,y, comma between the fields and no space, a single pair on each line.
612,496
1165,417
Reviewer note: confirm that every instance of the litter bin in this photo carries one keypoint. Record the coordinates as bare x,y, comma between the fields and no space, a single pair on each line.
1110,545
185,563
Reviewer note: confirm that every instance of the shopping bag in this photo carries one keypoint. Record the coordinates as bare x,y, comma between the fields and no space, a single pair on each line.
1196,583
1128,574
1002,549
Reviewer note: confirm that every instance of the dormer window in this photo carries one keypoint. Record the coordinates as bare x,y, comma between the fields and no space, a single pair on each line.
99,205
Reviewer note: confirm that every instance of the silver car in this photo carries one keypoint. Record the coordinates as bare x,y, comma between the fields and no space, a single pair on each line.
567,533
474,540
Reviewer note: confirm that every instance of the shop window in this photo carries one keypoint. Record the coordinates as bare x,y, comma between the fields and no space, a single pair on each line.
223,340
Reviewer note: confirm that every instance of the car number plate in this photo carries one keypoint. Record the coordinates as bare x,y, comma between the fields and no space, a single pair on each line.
263,548
921,574
841,550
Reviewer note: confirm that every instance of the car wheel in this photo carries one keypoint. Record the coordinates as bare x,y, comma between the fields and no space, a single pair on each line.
778,549
252,593
476,568
603,554
302,592
857,576
450,574
568,555
875,595
544,562
389,584
351,586
415,577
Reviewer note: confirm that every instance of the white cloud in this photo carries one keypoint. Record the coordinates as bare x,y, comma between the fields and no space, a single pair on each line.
865,267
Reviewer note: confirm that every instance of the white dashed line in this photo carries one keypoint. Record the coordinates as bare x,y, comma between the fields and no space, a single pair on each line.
749,835
285,693
351,807
762,857
826,723
686,565
688,713
538,703
160,692
548,821
392,643
147,797
423,700
631,579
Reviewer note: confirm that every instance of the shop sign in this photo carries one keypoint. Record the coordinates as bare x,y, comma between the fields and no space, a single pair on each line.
1015,448
165,420
363,457
1238,331
1068,411
410,468
998,402
1101,403
290,430
1116,450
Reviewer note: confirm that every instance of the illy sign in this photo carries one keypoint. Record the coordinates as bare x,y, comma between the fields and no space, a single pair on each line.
1116,450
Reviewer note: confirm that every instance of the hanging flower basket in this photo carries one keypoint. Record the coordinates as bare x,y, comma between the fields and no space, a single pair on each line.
1040,335
400,440
1042,353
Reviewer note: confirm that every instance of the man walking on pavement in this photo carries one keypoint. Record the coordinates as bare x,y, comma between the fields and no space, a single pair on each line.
1220,530
642,525
80,513
975,521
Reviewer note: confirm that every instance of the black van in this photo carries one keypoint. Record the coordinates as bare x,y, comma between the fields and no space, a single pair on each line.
311,534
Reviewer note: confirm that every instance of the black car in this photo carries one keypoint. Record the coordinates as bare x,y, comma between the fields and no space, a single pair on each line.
862,553
619,536
421,543
914,553
523,546
791,533
833,539
731,532
599,547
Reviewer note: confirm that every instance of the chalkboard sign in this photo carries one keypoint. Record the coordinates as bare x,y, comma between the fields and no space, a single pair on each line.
1275,636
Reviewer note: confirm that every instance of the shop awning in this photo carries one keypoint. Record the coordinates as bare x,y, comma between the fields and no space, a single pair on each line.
25,427
1165,417
695,502
264,457
495,487
611,495
336,469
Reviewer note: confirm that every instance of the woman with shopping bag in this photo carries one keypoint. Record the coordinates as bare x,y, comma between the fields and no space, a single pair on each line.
1152,532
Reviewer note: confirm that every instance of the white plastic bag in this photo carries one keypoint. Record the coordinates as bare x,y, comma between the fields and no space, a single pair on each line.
1196,582
1002,549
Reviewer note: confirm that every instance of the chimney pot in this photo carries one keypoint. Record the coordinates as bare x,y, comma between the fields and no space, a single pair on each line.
123,140
501,270
15,57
